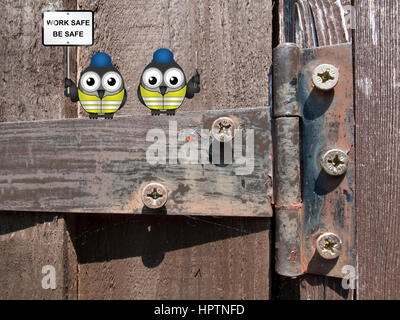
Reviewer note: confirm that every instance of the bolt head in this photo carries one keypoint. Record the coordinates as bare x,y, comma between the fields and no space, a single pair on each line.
154,195
223,129
325,76
334,162
329,245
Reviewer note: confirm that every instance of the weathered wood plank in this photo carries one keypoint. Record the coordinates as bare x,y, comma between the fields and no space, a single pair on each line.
313,23
377,71
102,166
28,243
324,288
311,287
32,75
31,88
172,257
233,41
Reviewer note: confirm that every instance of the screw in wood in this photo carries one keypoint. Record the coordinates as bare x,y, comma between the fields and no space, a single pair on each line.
334,162
329,245
325,76
223,129
154,195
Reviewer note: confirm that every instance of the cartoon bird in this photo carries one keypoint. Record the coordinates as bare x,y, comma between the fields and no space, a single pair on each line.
163,85
101,89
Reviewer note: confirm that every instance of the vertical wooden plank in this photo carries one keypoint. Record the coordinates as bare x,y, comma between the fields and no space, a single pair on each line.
313,23
154,257
377,74
181,258
232,40
31,88
29,242
32,83
311,287
323,288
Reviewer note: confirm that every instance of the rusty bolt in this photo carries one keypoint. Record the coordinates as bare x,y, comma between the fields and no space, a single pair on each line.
223,129
334,162
154,195
325,76
329,245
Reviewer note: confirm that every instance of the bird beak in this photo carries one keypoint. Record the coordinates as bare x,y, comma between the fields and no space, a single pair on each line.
163,89
101,93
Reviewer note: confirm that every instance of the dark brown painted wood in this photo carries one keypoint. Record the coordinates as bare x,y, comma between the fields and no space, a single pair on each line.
31,88
377,82
313,23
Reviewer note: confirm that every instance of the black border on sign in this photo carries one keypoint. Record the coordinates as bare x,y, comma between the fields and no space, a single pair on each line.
68,45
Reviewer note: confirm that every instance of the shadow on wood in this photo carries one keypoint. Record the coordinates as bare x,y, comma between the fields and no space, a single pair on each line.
310,287
16,221
150,237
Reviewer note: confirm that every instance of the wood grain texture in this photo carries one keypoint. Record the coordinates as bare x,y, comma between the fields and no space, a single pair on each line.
100,166
32,75
29,242
377,74
311,287
331,21
136,257
313,23
31,88
233,41
324,288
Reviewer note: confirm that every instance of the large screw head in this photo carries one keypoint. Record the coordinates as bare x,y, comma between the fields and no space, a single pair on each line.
325,76
334,162
223,129
154,195
329,245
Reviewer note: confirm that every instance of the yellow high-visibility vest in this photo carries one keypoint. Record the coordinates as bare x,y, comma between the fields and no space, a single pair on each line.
94,104
155,100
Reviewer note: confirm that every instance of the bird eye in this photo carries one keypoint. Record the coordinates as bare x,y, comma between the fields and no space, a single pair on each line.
112,81
152,77
90,81
174,78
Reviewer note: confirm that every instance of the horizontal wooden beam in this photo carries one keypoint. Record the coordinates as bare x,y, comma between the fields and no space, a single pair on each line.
100,166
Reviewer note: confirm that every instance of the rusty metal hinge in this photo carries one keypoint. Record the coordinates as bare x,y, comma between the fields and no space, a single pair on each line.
313,159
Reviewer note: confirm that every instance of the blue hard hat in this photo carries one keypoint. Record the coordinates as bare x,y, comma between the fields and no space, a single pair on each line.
163,56
100,59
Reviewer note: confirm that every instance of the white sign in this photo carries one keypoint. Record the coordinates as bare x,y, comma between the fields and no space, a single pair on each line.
68,28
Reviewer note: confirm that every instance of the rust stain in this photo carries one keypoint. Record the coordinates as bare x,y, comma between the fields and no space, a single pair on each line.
336,211
293,255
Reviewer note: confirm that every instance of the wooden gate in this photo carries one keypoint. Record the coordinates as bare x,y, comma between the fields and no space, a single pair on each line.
114,256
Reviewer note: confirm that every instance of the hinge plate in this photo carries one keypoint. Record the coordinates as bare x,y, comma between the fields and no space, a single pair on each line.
326,122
